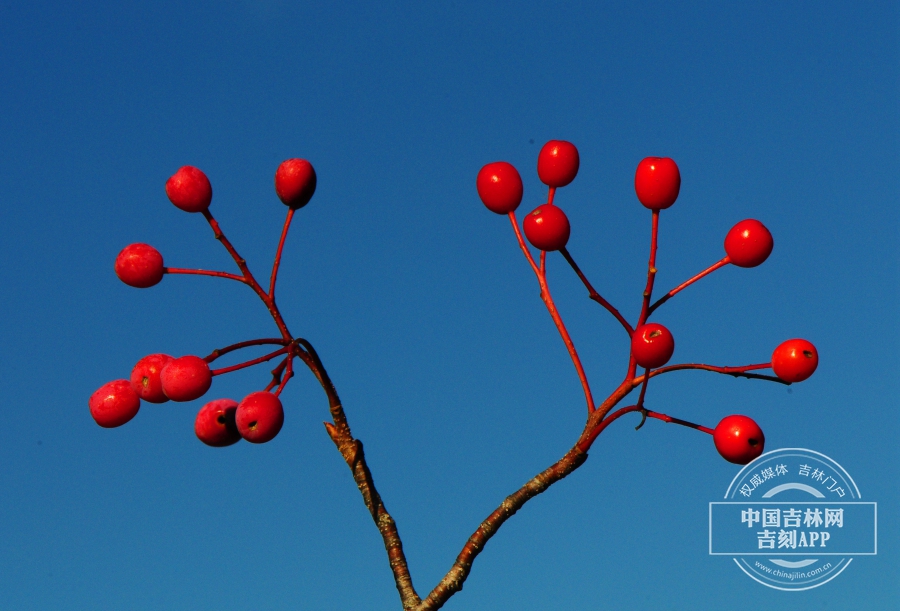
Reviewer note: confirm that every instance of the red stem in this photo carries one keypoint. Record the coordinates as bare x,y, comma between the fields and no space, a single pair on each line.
594,294
238,259
541,273
738,372
687,283
651,269
585,443
671,420
276,374
250,363
525,251
648,290
288,373
203,272
284,231
248,276
253,342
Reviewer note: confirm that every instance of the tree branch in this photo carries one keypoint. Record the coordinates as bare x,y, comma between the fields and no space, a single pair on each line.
352,451
453,580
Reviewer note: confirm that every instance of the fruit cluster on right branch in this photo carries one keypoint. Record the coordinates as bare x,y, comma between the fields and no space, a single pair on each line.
657,183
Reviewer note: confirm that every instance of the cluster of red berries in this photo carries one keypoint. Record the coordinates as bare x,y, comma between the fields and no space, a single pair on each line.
158,378
657,183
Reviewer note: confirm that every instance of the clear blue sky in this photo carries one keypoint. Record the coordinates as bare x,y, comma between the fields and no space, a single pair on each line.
418,300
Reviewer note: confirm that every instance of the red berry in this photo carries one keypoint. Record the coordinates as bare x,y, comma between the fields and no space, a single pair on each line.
145,378
652,345
189,189
215,425
657,182
738,439
186,378
558,163
547,227
139,265
499,187
114,404
259,417
748,243
795,360
295,182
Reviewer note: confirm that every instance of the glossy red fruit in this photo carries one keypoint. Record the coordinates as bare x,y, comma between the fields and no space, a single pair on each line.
186,378
652,345
547,227
657,182
795,360
145,378
215,425
558,163
189,189
114,404
139,265
499,187
739,439
259,417
295,182
748,243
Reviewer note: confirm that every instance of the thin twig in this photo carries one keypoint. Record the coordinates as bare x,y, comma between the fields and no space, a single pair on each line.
593,294
547,298
253,342
671,420
203,272
737,372
250,363
277,262
688,282
276,374
288,372
651,269
248,276
522,245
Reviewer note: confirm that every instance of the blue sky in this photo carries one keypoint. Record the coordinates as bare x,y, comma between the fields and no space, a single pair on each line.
418,299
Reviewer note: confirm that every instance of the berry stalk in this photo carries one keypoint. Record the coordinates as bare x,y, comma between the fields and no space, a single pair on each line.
551,194
246,344
251,362
248,276
547,298
277,262
288,371
651,268
721,263
203,272
593,294
737,372
276,374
